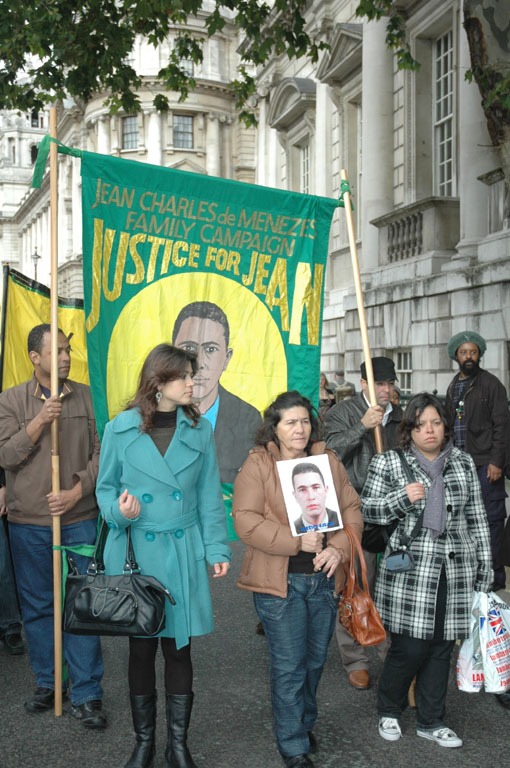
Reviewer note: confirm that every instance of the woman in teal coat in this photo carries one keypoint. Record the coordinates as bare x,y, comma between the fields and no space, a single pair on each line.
158,473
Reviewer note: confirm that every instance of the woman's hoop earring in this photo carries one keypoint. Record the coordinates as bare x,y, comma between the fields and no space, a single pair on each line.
158,396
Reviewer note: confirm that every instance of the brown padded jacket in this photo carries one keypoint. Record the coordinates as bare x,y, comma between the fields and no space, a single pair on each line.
28,466
261,522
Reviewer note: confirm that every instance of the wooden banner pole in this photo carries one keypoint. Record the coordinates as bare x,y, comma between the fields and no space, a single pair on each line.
55,449
361,308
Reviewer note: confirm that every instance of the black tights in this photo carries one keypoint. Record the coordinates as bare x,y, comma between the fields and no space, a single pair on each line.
142,671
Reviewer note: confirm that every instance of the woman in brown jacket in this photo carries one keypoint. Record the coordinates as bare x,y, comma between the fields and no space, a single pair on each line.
291,576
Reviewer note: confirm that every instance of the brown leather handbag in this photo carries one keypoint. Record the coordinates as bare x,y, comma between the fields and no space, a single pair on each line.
356,609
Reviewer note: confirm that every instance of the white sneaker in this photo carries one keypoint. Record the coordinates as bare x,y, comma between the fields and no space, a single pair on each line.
445,737
389,728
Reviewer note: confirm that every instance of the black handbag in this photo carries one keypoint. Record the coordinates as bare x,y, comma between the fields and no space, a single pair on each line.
375,537
129,603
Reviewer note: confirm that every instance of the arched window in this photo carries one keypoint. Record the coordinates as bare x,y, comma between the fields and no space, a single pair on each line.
33,153
34,119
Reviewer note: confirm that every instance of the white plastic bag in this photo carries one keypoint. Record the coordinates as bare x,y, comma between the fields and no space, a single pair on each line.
469,662
494,628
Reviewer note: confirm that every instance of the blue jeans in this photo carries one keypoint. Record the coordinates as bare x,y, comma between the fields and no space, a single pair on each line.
31,547
298,630
10,620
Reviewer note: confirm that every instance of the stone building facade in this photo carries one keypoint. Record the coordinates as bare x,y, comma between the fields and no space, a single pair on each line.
433,247
433,244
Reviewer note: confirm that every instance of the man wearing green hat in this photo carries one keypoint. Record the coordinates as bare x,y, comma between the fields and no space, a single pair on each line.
476,403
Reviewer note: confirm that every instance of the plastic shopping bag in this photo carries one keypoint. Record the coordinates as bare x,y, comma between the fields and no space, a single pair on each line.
469,662
494,628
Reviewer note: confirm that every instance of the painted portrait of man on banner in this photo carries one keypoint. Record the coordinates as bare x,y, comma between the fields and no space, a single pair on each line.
202,328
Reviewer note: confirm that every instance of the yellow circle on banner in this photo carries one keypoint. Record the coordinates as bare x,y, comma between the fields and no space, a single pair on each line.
257,371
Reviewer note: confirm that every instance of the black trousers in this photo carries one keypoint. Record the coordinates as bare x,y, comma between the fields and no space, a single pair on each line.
428,661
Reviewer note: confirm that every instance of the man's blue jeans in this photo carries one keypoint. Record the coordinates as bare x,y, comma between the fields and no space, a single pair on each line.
298,630
10,620
31,547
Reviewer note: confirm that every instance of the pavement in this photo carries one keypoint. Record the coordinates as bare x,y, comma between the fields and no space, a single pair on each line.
231,724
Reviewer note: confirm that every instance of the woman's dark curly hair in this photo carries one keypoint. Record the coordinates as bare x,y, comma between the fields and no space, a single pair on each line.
273,414
412,413
163,363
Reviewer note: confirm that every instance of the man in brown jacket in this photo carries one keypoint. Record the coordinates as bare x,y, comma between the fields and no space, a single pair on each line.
26,413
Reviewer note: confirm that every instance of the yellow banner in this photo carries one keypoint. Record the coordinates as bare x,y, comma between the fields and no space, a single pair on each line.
27,304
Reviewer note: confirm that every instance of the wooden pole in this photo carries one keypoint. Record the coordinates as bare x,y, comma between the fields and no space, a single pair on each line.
55,449
361,309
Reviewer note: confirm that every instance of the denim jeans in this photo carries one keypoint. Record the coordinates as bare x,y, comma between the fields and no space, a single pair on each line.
298,630
10,620
32,555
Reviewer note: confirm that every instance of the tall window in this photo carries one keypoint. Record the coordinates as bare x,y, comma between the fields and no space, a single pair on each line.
444,146
34,119
33,154
187,66
183,131
304,170
404,370
335,174
130,132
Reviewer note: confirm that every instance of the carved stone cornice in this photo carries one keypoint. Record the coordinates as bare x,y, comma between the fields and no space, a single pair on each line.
344,56
290,102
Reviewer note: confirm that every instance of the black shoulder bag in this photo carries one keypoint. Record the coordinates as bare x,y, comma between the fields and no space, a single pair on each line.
129,603
375,537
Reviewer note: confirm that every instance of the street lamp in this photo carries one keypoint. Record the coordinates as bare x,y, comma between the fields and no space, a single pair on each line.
35,258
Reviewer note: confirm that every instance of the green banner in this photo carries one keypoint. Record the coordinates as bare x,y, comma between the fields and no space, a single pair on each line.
233,271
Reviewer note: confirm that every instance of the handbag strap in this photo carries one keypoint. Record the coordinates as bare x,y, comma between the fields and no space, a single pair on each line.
97,565
351,572
419,523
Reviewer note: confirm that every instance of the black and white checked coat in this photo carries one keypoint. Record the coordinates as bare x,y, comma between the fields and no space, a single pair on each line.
407,601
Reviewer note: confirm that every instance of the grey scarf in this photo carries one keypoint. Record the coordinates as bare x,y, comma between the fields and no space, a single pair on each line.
434,517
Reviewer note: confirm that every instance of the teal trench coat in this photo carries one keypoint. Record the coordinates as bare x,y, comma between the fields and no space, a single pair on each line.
182,524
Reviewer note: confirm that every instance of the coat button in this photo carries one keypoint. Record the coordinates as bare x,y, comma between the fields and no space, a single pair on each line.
149,536
147,498
179,533
451,555
449,507
177,495
112,525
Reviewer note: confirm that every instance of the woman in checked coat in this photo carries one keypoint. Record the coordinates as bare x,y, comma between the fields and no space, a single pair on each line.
426,609
158,473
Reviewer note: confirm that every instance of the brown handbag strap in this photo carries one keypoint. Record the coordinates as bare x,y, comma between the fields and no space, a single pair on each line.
351,578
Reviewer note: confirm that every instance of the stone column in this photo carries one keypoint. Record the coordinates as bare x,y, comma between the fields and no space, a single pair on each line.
154,138
377,139
76,206
213,145
262,158
322,139
476,156
103,135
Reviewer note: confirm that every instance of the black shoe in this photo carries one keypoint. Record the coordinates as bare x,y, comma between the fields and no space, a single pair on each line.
298,761
503,699
14,643
42,699
90,714
313,743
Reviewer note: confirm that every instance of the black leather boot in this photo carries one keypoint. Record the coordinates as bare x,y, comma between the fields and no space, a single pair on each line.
178,713
143,711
